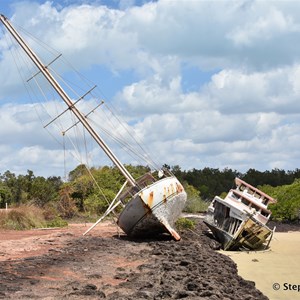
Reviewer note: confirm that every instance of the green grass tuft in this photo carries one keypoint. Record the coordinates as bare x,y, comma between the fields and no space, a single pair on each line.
57,222
183,224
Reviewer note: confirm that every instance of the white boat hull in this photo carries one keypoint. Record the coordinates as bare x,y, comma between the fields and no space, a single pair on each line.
154,209
158,204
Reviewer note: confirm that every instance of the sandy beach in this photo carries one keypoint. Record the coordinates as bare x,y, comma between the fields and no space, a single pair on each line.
276,272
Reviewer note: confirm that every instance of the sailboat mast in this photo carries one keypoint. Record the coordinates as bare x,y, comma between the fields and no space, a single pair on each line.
44,70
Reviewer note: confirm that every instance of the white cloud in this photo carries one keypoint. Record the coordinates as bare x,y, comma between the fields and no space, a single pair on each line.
42,161
274,23
245,115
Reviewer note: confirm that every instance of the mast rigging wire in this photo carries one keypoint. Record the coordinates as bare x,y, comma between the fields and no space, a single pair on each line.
141,153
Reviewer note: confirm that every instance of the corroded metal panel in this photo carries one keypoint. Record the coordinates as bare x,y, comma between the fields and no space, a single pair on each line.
252,234
161,190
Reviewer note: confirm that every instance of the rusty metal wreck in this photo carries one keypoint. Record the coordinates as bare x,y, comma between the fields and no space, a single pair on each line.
239,220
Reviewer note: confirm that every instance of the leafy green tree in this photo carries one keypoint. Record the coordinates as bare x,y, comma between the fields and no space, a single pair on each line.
79,171
5,195
176,170
82,188
211,182
95,194
43,191
288,196
98,202
194,203
9,179
66,204
135,171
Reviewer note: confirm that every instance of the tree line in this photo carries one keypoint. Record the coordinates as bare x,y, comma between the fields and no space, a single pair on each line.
91,194
210,182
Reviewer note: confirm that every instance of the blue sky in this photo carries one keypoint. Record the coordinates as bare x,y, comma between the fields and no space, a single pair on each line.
200,83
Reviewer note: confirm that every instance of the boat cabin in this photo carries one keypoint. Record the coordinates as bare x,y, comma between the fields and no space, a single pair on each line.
251,200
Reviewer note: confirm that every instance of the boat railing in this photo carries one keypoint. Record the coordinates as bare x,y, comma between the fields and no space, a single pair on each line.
141,183
254,192
145,180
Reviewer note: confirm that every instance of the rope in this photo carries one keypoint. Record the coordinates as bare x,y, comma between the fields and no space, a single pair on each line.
121,122
65,166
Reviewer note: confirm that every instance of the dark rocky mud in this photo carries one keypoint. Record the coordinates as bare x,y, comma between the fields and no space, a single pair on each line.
284,227
119,268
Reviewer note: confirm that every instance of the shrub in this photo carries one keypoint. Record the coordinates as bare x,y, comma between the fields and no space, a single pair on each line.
194,203
28,217
288,196
183,224
66,204
97,203
57,222
23,217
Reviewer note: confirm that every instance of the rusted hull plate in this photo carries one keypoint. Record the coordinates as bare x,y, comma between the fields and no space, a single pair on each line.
154,209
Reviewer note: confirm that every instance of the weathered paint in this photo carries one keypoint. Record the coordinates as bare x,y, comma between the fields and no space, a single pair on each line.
154,209
235,224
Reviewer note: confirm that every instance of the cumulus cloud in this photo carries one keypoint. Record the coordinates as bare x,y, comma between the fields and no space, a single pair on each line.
272,91
246,114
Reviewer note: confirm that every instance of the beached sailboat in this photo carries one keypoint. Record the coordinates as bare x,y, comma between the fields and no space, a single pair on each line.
155,203
239,220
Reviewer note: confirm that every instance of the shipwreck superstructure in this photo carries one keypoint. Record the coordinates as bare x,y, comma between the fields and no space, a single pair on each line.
239,220
151,204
